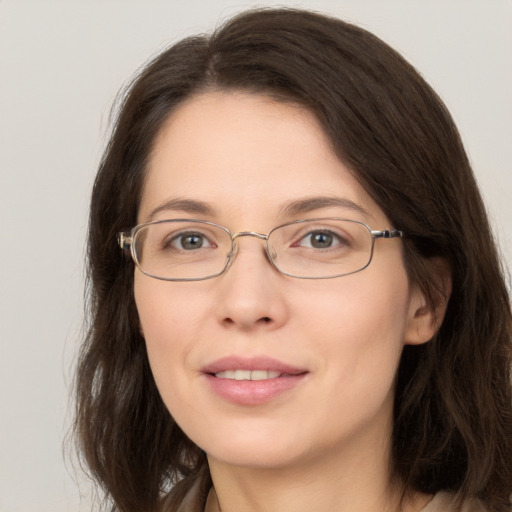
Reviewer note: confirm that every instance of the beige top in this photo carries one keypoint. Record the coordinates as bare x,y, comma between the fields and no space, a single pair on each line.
444,502
441,502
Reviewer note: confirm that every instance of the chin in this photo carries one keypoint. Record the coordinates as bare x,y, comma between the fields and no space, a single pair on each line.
260,450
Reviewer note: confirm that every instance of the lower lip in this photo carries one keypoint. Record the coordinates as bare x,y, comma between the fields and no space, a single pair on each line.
253,392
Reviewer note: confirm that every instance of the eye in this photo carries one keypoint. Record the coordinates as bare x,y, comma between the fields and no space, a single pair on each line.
189,241
320,239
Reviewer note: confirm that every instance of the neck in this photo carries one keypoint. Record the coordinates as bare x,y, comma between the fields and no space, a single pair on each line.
361,482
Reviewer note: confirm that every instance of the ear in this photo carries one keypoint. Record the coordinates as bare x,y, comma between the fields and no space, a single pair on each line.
424,319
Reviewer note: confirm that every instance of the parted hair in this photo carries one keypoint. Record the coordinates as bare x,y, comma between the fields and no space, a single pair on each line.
453,402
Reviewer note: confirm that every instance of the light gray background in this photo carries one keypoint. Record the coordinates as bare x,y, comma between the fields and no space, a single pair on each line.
61,64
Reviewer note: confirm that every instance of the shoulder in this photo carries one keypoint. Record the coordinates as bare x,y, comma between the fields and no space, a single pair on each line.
445,502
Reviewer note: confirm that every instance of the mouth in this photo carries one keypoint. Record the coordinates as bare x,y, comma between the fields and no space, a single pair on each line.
252,381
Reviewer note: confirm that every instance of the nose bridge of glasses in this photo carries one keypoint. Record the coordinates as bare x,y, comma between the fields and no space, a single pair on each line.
249,233
241,234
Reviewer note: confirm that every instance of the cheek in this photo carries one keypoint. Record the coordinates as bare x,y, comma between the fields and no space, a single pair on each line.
167,321
358,326
165,308
172,317
358,304
358,335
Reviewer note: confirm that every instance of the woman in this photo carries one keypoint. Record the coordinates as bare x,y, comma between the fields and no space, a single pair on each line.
303,313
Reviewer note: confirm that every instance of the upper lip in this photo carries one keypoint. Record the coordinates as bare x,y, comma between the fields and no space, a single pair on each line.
253,363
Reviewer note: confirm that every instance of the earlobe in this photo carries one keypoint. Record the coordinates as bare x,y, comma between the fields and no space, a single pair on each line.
425,319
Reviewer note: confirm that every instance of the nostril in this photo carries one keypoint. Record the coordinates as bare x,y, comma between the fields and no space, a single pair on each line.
262,320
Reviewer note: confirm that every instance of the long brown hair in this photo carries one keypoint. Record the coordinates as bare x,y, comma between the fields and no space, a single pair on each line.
453,406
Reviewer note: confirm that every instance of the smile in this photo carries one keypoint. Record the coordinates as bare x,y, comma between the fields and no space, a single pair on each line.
252,381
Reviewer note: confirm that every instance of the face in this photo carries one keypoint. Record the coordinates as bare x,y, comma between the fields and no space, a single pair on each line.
239,160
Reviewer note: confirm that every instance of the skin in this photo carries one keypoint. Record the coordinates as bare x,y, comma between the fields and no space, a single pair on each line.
323,445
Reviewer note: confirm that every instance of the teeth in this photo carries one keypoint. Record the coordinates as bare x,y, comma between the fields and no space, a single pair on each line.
242,375
247,374
263,375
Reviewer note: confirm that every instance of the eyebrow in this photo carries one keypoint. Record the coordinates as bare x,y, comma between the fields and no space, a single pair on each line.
290,209
183,205
310,204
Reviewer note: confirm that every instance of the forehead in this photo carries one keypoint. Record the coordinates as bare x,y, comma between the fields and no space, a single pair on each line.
244,155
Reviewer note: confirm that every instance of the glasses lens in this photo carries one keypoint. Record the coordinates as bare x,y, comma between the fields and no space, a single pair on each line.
182,250
320,248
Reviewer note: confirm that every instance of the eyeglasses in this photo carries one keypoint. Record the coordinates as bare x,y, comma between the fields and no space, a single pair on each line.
193,250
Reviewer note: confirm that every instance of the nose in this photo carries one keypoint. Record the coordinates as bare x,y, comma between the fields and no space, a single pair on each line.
251,294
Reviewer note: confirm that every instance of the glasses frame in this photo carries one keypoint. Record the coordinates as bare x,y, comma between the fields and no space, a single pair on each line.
126,242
